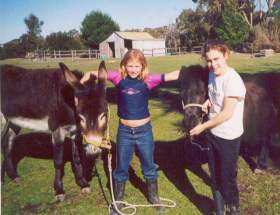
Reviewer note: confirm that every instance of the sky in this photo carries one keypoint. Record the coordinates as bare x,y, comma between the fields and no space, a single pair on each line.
64,15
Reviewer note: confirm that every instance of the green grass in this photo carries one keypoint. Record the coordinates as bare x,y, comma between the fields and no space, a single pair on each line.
259,194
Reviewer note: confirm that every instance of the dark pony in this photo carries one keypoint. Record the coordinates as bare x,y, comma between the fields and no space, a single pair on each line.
259,112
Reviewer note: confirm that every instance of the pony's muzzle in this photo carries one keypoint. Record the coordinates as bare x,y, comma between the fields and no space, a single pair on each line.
92,144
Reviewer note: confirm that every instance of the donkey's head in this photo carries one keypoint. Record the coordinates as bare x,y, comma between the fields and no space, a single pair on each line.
91,107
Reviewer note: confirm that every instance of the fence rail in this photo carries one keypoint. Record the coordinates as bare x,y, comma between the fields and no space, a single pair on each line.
58,54
165,51
95,54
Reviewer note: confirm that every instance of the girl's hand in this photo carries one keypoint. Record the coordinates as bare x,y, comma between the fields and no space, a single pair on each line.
207,104
197,129
87,76
172,76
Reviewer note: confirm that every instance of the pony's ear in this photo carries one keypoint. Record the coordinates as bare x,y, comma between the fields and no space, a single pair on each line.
102,72
69,76
183,68
92,78
63,66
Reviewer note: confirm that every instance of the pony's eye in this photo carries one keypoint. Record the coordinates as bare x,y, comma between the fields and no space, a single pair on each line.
82,117
103,115
102,119
82,120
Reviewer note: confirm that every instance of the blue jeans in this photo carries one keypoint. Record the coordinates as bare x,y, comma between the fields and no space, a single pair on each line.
141,139
223,156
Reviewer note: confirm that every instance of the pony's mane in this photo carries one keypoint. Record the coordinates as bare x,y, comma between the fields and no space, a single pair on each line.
193,73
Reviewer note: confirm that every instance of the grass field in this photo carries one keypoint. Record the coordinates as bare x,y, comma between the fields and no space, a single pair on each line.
186,184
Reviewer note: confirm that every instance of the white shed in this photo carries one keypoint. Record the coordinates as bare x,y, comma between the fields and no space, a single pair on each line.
119,42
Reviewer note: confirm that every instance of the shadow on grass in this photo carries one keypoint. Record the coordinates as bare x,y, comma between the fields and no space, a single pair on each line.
173,158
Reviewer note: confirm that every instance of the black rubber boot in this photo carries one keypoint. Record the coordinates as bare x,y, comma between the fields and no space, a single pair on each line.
232,210
219,203
119,188
153,198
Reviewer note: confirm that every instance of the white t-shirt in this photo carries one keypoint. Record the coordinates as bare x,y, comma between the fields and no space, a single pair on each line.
219,87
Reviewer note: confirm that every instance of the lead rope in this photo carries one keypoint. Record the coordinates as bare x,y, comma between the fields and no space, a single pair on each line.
127,206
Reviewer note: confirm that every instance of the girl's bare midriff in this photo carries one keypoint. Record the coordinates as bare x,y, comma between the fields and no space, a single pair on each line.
135,123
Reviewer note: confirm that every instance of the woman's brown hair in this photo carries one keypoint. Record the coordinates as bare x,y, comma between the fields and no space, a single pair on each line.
215,45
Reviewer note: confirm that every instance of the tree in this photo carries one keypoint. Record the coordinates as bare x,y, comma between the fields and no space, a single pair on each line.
74,33
214,9
245,21
32,40
192,27
273,25
33,25
12,49
96,27
275,9
64,40
272,5
172,38
233,30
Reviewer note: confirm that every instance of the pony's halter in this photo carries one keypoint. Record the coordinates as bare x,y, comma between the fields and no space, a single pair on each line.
105,143
200,121
191,105
194,105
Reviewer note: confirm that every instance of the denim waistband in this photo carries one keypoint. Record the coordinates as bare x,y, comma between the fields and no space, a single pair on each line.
141,127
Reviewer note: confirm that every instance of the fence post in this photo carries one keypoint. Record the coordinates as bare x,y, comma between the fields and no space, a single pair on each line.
89,56
72,55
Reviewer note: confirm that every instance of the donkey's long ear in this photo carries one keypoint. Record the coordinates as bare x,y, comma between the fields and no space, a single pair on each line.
102,73
70,77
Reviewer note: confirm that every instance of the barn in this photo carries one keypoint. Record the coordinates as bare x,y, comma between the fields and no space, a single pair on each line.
119,42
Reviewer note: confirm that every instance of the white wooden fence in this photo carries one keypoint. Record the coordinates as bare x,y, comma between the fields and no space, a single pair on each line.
164,51
59,54
44,55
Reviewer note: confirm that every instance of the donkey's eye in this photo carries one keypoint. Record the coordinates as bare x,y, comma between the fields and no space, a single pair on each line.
102,118
82,120
103,115
82,117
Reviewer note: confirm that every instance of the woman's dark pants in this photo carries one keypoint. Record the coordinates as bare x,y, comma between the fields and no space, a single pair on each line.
223,156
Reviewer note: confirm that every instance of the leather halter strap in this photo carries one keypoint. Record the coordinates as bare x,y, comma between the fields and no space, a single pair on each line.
190,105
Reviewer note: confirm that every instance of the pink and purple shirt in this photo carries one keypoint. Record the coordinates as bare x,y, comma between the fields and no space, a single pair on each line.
133,94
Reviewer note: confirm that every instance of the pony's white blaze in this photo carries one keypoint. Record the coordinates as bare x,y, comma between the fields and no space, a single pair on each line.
36,124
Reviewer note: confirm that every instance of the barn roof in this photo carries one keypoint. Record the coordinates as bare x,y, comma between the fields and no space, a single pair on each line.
135,35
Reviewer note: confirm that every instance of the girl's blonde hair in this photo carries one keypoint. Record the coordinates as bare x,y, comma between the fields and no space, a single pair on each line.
215,45
134,54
